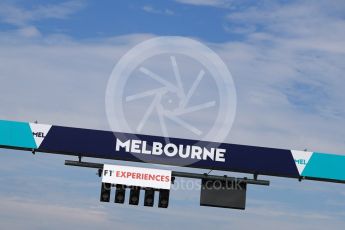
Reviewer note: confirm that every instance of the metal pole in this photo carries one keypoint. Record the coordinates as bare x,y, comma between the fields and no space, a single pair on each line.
179,174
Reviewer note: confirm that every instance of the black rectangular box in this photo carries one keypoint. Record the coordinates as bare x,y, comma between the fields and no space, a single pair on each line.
223,194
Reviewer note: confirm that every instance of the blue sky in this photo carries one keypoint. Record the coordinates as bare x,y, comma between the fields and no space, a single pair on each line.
287,61
123,17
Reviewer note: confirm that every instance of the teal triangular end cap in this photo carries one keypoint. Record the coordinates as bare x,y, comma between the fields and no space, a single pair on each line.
16,134
325,166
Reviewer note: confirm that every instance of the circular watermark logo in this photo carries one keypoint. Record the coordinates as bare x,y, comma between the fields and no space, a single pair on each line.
172,87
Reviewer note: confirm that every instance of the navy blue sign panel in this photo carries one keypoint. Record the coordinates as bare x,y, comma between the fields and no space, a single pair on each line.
175,151
102,144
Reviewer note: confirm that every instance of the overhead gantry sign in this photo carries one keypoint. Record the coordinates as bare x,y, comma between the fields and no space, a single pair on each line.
177,152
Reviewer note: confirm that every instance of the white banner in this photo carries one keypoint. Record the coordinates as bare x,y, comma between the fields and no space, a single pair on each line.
135,176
